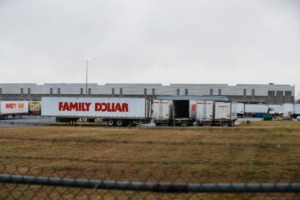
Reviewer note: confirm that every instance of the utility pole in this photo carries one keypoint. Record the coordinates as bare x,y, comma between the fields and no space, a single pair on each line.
86,73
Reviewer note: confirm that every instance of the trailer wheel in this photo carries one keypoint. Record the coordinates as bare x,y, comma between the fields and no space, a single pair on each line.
110,122
120,122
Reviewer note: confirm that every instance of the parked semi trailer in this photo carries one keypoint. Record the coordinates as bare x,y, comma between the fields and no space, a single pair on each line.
296,111
288,109
116,111
184,112
162,112
224,113
35,107
216,113
256,110
205,113
176,112
179,110
13,108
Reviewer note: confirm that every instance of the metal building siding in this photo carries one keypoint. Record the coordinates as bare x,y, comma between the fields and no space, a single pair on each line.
237,91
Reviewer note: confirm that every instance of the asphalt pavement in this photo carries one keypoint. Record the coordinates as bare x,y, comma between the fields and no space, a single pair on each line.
26,121
37,120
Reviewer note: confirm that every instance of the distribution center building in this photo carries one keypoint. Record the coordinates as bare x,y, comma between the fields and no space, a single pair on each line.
243,93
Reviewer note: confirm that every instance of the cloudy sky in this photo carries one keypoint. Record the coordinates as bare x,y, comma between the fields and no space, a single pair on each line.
150,41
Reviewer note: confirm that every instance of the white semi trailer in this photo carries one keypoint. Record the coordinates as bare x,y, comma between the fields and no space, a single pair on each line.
176,112
296,111
224,113
162,112
216,113
116,111
184,112
205,113
256,110
288,108
13,108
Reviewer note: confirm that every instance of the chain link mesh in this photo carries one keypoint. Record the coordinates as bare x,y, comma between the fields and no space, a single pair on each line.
25,182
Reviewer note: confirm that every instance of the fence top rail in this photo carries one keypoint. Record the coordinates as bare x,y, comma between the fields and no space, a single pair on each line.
153,187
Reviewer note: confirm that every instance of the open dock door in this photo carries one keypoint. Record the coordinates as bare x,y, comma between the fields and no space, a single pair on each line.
182,112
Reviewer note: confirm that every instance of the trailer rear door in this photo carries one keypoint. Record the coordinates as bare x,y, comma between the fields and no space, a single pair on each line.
181,108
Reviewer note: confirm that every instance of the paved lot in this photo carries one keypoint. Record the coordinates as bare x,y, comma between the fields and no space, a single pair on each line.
40,121
26,121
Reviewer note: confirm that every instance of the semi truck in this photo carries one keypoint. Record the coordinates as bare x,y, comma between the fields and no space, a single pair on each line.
240,110
275,109
13,108
115,111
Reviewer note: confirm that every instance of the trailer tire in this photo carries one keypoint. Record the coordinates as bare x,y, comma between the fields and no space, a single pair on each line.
120,122
110,122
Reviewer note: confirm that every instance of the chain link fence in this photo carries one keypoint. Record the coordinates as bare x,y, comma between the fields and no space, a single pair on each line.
23,182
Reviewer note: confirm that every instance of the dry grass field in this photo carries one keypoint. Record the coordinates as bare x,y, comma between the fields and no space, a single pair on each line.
256,152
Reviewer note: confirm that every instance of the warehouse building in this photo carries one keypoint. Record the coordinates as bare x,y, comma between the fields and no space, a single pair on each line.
244,93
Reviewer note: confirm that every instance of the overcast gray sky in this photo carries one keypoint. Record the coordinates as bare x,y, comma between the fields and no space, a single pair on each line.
150,41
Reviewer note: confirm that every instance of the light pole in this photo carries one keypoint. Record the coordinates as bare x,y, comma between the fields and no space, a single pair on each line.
86,73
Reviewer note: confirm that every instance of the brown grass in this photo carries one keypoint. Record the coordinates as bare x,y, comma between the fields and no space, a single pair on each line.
256,152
